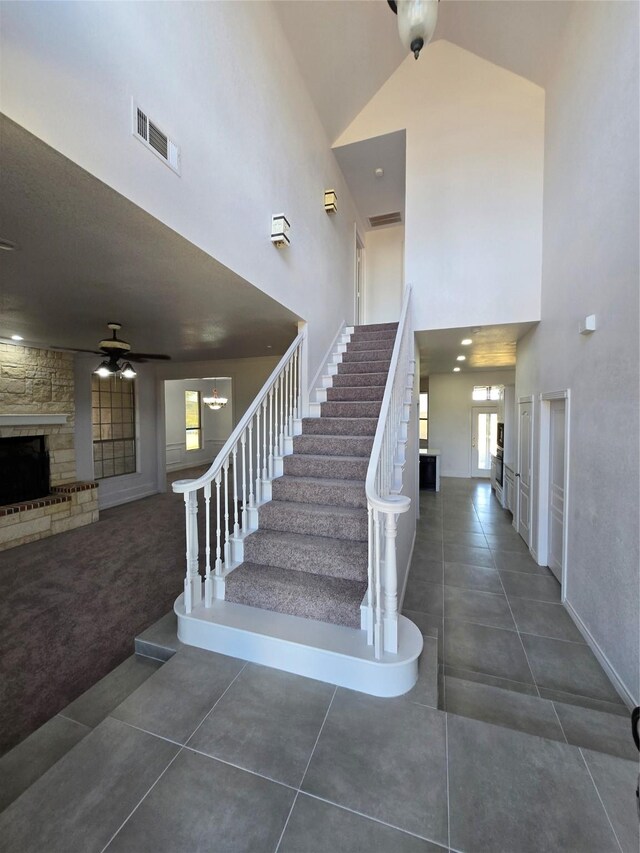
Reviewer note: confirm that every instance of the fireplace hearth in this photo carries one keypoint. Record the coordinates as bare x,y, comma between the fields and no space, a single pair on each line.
24,469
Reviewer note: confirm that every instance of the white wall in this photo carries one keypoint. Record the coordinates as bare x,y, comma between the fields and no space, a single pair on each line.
221,80
590,265
450,406
384,274
216,426
473,221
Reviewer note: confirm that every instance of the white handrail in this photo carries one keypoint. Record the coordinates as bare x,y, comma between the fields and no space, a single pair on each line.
383,486
257,444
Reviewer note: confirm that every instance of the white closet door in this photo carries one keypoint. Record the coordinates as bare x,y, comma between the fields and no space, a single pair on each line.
524,471
556,486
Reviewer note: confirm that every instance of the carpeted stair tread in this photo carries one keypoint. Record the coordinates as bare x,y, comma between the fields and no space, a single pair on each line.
316,490
367,346
351,409
358,355
376,327
343,427
355,392
342,467
359,380
318,555
332,600
364,367
381,335
315,519
334,445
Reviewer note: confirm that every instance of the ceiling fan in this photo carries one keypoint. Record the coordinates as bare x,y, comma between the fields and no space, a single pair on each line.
116,351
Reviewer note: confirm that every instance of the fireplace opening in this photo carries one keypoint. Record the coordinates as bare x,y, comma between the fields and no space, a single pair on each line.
24,469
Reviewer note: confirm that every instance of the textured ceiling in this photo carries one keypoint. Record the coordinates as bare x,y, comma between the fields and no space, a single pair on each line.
493,348
87,256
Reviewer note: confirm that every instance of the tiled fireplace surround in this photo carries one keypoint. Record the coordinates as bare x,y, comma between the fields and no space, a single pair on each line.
37,398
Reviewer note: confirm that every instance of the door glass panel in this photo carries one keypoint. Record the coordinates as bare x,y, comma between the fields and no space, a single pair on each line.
487,432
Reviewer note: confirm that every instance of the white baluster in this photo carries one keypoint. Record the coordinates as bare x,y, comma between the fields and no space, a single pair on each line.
243,442
227,543
218,567
207,546
236,525
265,452
296,383
370,576
251,498
390,585
258,457
281,430
192,585
271,448
377,631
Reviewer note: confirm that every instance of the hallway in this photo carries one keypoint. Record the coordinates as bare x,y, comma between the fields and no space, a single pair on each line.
212,753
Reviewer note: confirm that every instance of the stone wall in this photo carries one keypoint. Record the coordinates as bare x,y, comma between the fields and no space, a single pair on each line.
39,382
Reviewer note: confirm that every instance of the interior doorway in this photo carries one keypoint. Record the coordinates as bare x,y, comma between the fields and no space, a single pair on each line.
554,470
484,439
359,282
523,474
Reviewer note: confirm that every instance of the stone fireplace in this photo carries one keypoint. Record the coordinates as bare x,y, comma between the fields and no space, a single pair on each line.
37,405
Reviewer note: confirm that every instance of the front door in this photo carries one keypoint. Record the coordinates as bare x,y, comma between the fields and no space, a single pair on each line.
524,471
484,435
556,487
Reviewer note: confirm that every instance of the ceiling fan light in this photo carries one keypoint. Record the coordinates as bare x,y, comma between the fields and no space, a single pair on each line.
104,370
127,371
417,21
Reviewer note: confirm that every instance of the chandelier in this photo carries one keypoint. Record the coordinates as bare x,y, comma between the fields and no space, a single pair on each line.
215,401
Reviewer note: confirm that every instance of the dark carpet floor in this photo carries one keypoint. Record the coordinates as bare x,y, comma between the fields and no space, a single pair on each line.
71,605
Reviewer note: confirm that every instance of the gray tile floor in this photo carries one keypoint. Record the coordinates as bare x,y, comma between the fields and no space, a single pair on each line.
209,753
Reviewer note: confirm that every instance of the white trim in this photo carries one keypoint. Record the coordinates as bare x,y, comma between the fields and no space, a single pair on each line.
32,420
327,360
603,660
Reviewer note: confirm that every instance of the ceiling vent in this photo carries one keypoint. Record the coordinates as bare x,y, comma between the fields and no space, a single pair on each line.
385,219
148,132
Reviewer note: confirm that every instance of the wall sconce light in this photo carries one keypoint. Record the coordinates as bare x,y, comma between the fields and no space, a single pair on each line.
588,325
330,202
280,230
215,401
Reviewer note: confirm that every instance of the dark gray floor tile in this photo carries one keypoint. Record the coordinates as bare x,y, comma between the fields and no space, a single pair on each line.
486,608
425,691
544,619
570,667
424,597
384,758
511,561
98,702
26,762
423,550
507,541
201,804
431,626
491,680
510,791
468,556
268,722
497,528
585,702
82,800
421,569
534,586
498,518
316,827
472,577
462,537
616,781
493,651
502,708
160,640
598,731
179,696
429,532
461,524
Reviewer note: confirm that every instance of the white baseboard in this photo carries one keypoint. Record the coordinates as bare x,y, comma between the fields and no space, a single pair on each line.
615,679
119,498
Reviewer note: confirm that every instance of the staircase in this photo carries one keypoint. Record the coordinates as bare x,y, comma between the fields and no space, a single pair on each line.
309,556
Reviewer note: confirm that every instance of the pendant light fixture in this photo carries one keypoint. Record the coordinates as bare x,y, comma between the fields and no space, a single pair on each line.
417,21
215,401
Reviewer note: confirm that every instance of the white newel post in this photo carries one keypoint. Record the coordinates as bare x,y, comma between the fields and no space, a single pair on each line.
390,584
208,589
192,586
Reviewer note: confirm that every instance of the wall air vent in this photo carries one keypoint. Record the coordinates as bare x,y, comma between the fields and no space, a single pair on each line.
385,219
150,135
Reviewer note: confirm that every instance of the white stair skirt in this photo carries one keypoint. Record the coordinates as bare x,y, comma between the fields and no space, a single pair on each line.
330,653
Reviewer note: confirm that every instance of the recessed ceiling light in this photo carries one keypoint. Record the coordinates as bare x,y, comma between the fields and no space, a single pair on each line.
17,338
461,358
456,370
379,172
466,342
269,346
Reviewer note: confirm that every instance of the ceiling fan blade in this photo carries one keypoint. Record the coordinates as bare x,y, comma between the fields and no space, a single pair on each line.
145,356
74,349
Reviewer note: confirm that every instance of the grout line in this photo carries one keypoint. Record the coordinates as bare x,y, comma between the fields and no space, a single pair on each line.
553,705
147,731
615,835
446,752
559,639
137,806
286,823
241,767
318,738
210,711
71,720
